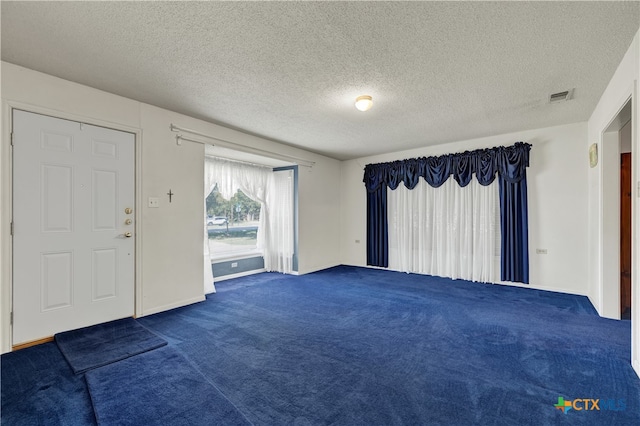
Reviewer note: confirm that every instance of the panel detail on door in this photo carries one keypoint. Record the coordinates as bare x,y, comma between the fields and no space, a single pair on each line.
56,280
56,142
56,214
104,149
104,199
105,266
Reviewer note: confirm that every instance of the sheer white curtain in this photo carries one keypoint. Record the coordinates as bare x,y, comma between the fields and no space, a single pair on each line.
447,231
209,184
250,179
278,253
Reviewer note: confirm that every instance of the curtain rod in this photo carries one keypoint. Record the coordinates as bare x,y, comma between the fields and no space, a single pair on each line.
236,146
233,160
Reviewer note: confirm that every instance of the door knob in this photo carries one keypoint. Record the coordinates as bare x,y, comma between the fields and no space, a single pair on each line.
127,234
128,210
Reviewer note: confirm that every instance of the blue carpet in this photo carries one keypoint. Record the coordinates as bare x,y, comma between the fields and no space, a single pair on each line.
103,344
351,346
158,387
358,346
39,388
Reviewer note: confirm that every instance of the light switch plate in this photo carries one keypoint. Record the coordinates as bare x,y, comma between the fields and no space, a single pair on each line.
154,202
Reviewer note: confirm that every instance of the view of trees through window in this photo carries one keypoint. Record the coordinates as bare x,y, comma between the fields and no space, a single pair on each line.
232,224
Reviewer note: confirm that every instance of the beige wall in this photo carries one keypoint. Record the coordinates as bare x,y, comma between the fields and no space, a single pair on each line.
169,257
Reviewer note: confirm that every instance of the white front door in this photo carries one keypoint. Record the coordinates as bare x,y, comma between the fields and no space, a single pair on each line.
74,235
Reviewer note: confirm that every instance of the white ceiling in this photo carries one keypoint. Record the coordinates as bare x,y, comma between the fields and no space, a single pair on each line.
438,71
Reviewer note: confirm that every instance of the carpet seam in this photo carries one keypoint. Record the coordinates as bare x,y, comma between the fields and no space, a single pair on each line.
195,367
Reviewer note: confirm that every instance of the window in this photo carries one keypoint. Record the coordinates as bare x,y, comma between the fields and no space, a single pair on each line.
249,209
232,225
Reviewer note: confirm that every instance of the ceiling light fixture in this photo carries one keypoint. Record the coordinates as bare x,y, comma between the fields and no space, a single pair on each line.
364,102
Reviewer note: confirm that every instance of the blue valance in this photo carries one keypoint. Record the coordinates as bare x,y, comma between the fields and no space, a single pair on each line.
510,162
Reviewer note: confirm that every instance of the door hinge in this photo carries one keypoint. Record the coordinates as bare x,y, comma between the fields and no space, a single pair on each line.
11,318
11,138
12,229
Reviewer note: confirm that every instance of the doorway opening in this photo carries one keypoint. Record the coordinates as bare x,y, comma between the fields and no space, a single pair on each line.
617,215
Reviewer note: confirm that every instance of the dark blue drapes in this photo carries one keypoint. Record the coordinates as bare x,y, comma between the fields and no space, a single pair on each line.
514,251
509,163
377,233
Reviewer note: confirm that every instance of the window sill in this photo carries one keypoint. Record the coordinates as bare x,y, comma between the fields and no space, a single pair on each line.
239,255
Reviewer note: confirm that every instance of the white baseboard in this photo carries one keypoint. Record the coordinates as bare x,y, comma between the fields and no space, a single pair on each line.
316,268
505,283
545,288
369,267
172,306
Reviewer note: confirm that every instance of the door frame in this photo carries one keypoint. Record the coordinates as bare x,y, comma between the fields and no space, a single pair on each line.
609,288
631,93
6,208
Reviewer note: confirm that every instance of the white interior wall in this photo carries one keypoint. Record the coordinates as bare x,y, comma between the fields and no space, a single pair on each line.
557,193
171,258
319,191
169,263
622,86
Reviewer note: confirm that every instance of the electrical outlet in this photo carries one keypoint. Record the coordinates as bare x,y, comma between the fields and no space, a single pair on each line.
154,202
234,264
541,251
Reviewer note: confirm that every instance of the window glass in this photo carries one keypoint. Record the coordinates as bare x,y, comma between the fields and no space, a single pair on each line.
232,224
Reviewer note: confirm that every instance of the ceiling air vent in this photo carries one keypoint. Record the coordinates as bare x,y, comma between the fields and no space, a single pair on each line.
560,96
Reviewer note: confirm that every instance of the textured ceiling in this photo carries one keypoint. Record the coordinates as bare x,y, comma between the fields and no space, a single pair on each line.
438,71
